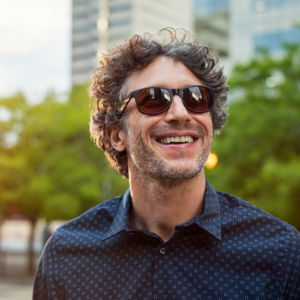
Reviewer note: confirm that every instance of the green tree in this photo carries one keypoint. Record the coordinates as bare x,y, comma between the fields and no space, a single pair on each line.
259,148
52,168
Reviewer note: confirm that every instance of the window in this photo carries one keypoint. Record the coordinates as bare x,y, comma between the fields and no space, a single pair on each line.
84,28
119,22
81,56
79,15
274,41
79,43
83,2
81,29
207,7
85,14
262,5
79,2
117,36
84,56
94,39
120,7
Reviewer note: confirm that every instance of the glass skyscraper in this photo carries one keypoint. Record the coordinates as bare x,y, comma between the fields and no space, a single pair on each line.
234,29
98,24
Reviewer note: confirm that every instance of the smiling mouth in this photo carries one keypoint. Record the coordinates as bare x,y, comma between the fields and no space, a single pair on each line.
176,140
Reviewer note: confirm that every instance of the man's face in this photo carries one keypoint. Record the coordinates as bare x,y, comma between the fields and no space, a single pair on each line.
146,135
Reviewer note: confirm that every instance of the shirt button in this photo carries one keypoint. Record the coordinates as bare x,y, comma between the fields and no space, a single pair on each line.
163,251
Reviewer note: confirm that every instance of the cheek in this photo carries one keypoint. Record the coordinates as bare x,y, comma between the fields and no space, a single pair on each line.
206,121
141,124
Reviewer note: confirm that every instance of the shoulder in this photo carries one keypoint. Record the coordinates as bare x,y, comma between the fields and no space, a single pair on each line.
262,233
240,211
88,226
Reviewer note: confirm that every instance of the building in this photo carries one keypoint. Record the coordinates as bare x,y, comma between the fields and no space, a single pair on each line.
234,29
84,38
97,24
268,24
211,24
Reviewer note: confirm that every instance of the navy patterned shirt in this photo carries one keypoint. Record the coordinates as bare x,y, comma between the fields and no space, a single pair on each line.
233,250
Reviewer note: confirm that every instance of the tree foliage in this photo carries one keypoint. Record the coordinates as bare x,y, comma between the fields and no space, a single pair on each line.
259,148
49,166
53,170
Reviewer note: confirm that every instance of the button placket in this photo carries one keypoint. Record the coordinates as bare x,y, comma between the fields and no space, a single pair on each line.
160,272
162,251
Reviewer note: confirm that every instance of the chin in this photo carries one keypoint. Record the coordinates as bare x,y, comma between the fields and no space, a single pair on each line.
147,161
183,170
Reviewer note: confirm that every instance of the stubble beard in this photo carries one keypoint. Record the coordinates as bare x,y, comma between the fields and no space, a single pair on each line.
147,161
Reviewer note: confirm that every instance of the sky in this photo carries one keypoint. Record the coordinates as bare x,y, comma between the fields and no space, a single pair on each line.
35,47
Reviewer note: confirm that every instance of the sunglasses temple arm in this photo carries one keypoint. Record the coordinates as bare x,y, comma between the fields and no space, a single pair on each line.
124,104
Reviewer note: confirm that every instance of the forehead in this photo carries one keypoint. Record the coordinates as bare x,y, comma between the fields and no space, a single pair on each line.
164,71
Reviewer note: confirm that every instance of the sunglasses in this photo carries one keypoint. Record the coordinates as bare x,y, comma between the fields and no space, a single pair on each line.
155,100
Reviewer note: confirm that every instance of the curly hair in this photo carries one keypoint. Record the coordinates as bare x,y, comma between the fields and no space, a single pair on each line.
108,86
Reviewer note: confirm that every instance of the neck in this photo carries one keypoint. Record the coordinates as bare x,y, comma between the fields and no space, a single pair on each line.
158,205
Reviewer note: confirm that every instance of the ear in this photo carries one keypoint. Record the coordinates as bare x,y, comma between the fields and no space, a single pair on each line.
117,137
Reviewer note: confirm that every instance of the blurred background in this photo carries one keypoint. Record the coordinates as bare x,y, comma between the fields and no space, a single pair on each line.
50,170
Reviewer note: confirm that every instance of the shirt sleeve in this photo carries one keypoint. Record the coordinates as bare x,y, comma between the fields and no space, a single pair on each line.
47,280
292,273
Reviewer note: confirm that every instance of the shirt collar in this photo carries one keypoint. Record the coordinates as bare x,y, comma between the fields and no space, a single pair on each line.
120,221
209,220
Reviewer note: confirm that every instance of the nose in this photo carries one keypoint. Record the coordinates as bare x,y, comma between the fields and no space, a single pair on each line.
177,111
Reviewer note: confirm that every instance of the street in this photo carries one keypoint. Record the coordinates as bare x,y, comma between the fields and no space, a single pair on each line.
16,289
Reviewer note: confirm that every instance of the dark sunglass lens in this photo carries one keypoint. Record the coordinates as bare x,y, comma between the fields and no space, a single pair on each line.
197,99
153,100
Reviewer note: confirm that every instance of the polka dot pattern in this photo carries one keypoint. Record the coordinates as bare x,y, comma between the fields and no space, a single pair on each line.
233,250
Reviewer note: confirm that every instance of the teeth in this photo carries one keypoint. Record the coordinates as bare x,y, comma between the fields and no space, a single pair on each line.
177,139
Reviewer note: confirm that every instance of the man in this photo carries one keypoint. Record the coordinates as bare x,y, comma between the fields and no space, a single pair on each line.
159,101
